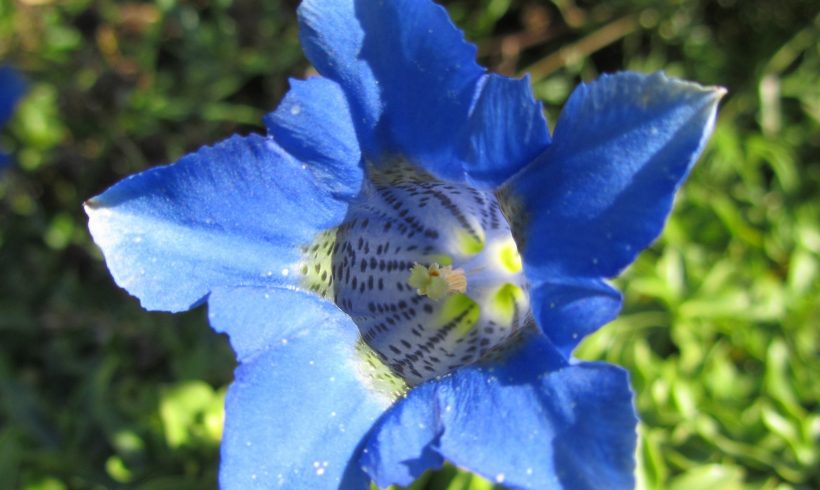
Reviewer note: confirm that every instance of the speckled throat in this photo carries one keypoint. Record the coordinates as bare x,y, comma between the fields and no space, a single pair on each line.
427,269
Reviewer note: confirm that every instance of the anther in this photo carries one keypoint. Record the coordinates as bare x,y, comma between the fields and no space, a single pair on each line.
437,282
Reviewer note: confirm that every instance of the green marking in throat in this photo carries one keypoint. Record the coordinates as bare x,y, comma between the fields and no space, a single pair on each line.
378,375
505,301
316,266
462,309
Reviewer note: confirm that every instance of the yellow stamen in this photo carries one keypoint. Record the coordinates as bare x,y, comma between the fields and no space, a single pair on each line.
437,282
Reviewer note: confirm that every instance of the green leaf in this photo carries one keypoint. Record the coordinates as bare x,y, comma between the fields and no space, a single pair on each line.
709,477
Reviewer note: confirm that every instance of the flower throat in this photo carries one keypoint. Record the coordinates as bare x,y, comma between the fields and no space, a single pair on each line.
428,271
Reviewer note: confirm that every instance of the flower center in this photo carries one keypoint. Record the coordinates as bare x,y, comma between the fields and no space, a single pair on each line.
428,270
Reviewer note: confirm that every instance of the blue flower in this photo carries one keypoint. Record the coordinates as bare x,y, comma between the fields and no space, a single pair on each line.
11,89
405,263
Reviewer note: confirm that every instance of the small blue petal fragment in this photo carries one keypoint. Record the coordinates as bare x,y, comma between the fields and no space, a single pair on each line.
12,87
568,310
602,191
313,124
400,447
408,72
297,412
235,213
506,131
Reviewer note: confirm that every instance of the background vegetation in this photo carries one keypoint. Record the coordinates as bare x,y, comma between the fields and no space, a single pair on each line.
720,328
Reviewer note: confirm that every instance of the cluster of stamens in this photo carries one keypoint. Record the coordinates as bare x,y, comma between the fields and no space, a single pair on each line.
437,282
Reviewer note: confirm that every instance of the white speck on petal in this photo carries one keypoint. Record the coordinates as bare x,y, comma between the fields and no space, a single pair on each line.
332,379
284,341
332,414
296,109
529,471
320,471
421,425
499,478
285,272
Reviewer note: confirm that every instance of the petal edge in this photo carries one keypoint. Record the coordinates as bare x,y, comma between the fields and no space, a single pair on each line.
602,191
227,215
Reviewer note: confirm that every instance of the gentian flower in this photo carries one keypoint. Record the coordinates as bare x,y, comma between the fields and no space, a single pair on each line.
406,261
11,89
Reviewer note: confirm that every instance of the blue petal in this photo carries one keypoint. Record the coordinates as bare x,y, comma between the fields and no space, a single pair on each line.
416,90
568,310
297,412
313,124
531,424
407,70
506,131
400,447
12,88
232,214
531,421
602,191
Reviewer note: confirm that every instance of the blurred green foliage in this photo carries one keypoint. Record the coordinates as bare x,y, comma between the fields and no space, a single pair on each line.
719,329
